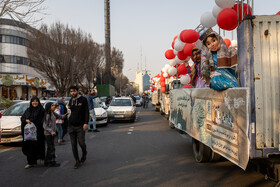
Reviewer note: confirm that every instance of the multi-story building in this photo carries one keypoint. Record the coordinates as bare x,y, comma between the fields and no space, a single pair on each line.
143,80
18,78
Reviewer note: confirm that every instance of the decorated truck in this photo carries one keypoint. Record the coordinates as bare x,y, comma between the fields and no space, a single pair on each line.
239,123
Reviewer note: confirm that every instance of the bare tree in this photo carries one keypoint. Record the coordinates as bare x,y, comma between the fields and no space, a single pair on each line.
22,10
117,61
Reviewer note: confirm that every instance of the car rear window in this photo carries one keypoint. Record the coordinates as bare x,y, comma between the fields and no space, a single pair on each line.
121,102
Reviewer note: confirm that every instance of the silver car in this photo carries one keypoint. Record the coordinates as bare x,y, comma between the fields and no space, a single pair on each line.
122,108
11,123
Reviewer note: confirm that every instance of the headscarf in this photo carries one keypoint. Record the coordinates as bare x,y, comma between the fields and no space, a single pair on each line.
226,58
35,111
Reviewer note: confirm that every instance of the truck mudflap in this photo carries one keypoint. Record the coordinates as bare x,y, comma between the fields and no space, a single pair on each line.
219,120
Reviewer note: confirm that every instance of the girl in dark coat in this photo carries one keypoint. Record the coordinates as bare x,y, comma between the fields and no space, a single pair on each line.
34,150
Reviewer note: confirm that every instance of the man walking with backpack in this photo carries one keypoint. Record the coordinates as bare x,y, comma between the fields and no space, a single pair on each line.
78,124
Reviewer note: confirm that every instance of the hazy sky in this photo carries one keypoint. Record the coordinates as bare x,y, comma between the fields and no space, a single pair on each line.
135,24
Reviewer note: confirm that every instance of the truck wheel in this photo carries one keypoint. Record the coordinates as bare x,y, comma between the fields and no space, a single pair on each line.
171,125
215,157
201,152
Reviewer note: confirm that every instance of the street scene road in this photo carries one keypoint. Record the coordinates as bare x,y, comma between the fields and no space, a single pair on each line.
144,153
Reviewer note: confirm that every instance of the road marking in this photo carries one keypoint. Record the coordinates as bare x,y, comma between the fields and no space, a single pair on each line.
64,163
132,127
5,150
129,133
130,130
92,136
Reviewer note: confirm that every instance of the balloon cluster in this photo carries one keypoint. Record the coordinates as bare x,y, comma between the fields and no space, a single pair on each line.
226,14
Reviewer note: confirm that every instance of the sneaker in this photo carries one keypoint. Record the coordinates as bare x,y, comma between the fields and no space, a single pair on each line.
77,165
96,130
28,166
83,159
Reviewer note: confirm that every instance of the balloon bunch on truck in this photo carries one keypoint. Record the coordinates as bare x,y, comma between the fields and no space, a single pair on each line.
240,123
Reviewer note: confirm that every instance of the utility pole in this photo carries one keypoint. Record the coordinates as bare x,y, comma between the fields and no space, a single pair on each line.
107,42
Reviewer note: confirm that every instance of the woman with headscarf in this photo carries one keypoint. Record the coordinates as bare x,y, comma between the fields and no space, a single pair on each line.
218,62
34,150
196,80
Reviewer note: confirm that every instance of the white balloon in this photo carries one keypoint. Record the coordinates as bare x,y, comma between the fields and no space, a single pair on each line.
191,62
172,62
185,79
216,10
172,71
175,52
225,3
207,20
165,75
178,61
178,45
234,43
167,66
164,69
198,44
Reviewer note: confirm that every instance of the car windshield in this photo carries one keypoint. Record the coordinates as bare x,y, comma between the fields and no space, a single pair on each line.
121,102
96,104
137,97
103,99
16,110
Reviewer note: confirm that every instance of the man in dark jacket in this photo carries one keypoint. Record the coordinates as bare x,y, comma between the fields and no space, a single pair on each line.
78,124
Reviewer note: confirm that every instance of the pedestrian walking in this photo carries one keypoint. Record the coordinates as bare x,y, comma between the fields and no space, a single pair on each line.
78,124
59,125
34,149
63,110
90,95
49,125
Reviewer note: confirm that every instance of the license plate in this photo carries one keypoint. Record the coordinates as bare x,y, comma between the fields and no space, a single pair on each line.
119,116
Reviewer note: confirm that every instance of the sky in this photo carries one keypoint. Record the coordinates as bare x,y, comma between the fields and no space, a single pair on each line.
142,29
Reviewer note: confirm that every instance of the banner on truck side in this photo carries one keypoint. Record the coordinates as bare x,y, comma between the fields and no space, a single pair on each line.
220,120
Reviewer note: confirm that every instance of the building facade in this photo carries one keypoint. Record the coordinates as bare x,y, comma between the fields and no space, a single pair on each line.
143,80
18,78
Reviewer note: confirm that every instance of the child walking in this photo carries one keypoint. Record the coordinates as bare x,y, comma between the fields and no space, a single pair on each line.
49,125
59,125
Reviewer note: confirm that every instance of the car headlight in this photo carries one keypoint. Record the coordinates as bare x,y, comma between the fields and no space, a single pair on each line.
104,114
18,128
110,112
128,112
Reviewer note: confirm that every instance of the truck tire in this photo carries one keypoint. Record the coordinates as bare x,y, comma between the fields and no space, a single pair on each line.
171,125
201,152
215,157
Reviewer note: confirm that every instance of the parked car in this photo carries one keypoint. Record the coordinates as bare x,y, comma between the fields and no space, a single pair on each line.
139,101
122,108
11,123
100,113
103,105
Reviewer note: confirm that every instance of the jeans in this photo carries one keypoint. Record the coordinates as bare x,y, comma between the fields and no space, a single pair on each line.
50,156
59,130
92,117
77,134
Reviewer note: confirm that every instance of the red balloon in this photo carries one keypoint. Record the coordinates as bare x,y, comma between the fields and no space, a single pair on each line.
244,10
278,13
190,36
182,35
162,79
227,41
172,45
162,89
227,19
181,55
182,70
188,49
162,84
169,54
187,86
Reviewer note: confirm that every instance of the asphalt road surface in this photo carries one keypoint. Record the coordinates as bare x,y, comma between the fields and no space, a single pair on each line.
144,153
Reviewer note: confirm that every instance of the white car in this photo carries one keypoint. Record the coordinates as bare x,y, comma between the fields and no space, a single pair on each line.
122,108
11,123
139,101
100,113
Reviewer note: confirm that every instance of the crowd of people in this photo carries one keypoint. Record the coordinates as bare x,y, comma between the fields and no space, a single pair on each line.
54,120
214,64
